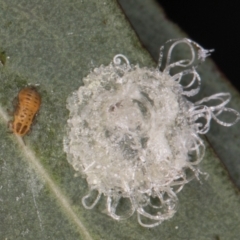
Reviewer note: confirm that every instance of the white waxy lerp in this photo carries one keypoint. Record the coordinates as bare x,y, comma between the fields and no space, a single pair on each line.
134,135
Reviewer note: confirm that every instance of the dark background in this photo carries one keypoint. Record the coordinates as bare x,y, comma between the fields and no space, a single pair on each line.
212,25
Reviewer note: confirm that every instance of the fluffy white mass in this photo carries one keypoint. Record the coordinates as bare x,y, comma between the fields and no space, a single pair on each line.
134,135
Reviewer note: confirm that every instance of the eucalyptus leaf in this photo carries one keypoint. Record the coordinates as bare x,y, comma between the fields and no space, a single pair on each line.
55,44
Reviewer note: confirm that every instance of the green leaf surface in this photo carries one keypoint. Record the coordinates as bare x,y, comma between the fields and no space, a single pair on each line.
55,44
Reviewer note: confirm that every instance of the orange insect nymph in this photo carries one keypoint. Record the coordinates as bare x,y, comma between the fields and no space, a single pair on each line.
29,101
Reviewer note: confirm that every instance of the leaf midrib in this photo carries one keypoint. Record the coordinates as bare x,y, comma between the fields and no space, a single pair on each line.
36,164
